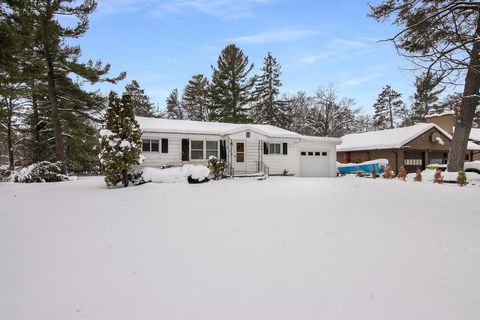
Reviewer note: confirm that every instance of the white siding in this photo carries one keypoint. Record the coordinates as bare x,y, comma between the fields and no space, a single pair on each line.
174,155
277,163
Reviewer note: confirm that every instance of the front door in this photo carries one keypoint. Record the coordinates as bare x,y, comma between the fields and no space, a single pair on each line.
240,157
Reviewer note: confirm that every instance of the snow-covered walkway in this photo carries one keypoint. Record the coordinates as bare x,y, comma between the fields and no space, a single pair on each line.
284,248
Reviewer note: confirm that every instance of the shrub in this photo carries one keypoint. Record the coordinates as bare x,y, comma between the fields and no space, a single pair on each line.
43,171
374,172
388,173
437,177
217,167
402,173
462,178
418,175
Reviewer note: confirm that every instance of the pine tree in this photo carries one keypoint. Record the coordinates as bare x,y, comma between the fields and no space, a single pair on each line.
387,106
418,175
461,178
195,98
174,108
231,87
402,173
426,96
120,141
267,109
61,61
142,106
438,177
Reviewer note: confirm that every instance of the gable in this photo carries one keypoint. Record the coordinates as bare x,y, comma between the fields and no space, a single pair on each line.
426,140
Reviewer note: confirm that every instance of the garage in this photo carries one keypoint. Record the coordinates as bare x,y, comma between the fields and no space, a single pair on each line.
314,163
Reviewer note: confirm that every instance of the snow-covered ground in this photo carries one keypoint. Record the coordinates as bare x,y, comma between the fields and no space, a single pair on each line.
283,248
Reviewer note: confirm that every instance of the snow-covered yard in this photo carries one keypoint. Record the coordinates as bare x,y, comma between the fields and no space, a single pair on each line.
283,248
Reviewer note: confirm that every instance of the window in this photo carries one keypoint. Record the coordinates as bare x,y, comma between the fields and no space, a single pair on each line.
197,150
274,148
317,153
149,145
212,149
248,134
164,145
303,153
324,154
310,153
154,144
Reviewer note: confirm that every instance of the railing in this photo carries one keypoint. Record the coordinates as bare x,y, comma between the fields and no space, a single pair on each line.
262,167
230,171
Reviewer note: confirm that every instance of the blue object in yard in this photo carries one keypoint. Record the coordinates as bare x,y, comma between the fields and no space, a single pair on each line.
364,167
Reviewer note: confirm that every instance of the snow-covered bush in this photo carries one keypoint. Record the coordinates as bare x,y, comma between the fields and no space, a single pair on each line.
44,171
194,173
462,178
120,140
217,167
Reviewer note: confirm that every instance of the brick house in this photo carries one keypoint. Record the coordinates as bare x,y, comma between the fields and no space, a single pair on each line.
414,147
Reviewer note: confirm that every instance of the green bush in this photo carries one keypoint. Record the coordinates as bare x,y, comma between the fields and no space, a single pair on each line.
217,167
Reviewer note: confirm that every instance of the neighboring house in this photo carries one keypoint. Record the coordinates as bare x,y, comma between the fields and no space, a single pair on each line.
248,148
475,138
413,147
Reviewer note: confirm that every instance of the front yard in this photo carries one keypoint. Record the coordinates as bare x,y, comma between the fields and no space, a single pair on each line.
283,248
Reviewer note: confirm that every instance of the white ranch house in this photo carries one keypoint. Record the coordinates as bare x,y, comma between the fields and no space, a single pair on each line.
248,148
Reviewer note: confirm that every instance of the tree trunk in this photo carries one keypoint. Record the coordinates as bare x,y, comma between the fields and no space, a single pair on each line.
125,177
11,159
35,122
57,126
464,116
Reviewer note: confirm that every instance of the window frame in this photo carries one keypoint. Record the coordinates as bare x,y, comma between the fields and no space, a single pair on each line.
196,149
204,148
279,144
217,149
150,145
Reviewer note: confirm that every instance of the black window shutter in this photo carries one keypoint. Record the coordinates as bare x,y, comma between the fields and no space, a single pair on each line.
265,148
223,150
164,145
185,150
285,148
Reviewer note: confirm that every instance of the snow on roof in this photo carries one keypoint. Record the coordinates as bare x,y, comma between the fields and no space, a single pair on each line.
216,128
475,134
390,138
444,113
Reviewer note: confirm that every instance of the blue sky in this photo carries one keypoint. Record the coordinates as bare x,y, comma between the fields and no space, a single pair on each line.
162,44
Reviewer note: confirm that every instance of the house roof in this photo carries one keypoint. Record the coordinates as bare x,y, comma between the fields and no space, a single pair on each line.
215,128
389,138
475,134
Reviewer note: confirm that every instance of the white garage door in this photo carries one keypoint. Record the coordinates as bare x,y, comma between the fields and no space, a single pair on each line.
314,163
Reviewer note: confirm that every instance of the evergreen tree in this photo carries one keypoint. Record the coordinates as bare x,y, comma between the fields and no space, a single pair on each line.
267,109
61,60
426,96
142,106
120,141
195,98
387,106
174,108
231,89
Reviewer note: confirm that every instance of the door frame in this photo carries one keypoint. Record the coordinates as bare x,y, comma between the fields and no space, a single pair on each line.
240,166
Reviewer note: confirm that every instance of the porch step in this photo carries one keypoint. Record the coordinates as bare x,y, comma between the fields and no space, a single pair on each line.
249,175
